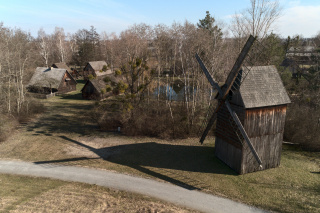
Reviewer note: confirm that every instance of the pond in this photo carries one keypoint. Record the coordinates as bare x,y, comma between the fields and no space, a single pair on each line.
173,93
176,91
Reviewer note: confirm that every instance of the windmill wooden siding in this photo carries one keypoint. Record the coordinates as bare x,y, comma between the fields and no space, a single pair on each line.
261,105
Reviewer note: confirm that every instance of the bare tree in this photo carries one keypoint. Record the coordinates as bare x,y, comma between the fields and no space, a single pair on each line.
258,19
15,46
60,42
44,46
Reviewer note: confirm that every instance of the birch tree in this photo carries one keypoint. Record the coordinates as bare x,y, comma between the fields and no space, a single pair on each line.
44,46
59,38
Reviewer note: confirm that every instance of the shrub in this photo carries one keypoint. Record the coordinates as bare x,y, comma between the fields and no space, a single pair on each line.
7,124
117,73
103,91
121,87
153,119
108,88
107,79
104,68
90,77
302,127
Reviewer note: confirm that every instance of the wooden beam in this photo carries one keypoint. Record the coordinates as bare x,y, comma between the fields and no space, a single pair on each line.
236,67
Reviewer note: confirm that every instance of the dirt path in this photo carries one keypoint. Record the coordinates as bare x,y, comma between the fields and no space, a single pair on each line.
163,191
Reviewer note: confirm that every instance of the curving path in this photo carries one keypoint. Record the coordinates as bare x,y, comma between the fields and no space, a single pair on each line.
189,198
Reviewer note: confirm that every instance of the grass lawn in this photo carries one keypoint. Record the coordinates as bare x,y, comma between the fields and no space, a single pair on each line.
29,194
66,134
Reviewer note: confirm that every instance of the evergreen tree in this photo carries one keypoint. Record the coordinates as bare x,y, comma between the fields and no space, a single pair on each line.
208,23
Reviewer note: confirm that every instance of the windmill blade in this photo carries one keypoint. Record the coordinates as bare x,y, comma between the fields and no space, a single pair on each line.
236,67
243,132
215,85
211,121
209,77
208,127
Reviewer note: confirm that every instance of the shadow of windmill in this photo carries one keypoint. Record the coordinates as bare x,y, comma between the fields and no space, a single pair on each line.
157,160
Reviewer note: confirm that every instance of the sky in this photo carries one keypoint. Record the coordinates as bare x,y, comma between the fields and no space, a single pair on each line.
299,17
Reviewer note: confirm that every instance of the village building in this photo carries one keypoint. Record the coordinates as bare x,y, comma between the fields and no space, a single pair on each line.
51,80
261,104
96,68
100,87
299,59
62,65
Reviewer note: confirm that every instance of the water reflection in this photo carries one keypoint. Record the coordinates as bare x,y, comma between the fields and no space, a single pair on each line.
175,92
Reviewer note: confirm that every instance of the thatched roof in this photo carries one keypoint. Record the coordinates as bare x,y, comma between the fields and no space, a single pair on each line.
103,73
47,77
97,65
61,65
262,87
99,83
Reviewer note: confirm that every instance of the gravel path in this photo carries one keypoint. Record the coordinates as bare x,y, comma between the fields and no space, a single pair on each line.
174,194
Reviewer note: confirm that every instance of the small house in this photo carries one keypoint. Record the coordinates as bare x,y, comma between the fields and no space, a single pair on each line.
100,87
261,104
62,65
96,68
49,80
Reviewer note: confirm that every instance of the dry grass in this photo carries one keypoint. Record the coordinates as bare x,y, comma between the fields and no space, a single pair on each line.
28,194
66,135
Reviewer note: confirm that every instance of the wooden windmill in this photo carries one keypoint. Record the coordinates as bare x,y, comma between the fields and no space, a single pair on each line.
250,115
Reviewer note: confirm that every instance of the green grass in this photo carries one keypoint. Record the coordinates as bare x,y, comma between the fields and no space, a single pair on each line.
66,134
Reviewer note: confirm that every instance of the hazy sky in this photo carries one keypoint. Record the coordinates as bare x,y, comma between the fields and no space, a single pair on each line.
299,17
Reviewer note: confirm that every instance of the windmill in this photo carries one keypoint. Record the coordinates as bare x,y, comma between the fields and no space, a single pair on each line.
234,146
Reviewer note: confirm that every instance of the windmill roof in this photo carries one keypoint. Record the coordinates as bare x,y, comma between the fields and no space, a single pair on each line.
44,77
262,87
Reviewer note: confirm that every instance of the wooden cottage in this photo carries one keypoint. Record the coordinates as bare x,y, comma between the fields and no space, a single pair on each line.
260,104
49,80
62,65
97,88
96,68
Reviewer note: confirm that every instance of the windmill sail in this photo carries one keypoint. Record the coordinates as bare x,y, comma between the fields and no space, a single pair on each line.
236,67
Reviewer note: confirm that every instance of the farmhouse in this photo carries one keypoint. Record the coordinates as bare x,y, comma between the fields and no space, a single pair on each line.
96,68
260,104
99,87
63,65
48,80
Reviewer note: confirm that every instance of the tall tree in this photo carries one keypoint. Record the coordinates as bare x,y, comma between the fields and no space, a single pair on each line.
44,46
88,43
60,44
209,24
257,20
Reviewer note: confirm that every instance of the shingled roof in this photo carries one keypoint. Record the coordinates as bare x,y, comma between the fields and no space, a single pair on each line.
47,77
262,87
